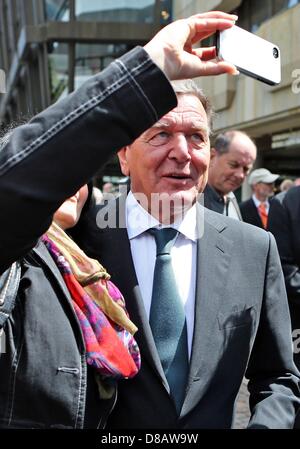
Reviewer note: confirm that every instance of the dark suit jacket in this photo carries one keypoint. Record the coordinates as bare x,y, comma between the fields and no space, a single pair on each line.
213,201
241,318
250,213
284,223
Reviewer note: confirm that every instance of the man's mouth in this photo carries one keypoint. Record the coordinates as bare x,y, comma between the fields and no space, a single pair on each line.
179,176
235,184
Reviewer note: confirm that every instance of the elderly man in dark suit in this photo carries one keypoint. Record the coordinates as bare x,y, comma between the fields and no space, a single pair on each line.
284,223
255,210
206,292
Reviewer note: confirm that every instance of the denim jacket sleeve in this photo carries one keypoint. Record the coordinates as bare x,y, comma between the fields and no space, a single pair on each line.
59,150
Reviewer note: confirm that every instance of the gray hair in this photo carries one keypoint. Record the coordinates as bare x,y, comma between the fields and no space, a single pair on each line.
189,86
223,140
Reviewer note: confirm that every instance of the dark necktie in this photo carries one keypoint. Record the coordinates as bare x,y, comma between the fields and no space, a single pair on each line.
167,317
226,204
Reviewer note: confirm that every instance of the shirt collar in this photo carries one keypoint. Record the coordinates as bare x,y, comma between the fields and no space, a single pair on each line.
230,195
138,220
219,197
258,203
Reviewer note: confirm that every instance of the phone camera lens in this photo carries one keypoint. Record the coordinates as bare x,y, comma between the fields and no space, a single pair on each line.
275,52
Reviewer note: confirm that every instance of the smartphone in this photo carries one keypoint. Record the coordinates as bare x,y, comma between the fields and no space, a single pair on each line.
251,54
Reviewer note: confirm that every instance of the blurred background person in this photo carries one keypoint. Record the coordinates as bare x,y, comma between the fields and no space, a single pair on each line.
286,185
232,157
255,210
284,223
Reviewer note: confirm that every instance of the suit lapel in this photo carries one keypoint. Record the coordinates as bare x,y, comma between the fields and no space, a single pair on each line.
213,258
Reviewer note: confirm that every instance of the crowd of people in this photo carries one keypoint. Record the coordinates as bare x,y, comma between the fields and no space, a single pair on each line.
276,212
203,296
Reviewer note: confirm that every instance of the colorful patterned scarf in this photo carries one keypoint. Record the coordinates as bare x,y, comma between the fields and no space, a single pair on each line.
99,306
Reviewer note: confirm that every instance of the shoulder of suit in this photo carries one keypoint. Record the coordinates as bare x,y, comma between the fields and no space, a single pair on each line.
246,203
234,228
291,197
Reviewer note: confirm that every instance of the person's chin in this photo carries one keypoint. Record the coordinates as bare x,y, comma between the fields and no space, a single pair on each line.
69,222
231,187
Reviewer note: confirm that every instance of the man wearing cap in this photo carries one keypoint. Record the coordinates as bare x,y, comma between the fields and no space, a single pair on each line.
255,210
231,159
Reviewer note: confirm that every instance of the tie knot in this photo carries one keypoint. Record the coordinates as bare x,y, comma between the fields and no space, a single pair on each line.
164,239
262,207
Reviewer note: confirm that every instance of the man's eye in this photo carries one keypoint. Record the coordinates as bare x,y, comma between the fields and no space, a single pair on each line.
160,138
197,139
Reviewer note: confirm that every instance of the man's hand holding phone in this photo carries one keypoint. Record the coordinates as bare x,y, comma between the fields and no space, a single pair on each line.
172,47
252,55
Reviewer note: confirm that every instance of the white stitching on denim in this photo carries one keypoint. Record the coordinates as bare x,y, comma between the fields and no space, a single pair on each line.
67,370
58,126
11,272
79,394
14,386
83,364
140,66
138,87
68,119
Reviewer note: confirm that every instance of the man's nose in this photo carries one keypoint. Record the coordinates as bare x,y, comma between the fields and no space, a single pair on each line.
240,173
180,148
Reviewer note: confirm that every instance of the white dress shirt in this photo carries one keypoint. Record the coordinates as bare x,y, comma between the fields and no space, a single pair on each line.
231,210
183,253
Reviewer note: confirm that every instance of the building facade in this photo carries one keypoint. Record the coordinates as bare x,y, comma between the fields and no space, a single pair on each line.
271,115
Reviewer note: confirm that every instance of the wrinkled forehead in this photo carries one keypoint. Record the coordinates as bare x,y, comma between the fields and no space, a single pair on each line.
243,151
242,147
189,111
240,157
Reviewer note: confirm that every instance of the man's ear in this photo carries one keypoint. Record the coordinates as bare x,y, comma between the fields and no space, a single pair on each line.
122,155
213,154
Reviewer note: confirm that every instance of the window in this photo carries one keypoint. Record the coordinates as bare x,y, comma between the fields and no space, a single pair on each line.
58,69
252,13
115,11
57,10
260,12
92,58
